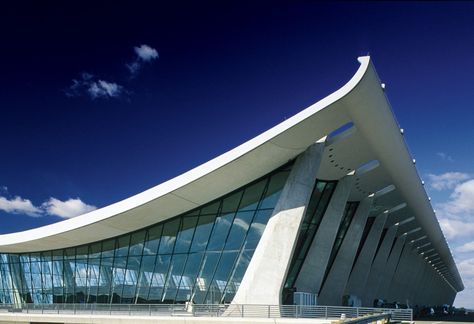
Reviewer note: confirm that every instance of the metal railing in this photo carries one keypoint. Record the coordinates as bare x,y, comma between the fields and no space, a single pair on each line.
211,310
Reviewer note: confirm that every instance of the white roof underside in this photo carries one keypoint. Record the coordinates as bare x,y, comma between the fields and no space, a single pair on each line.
377,136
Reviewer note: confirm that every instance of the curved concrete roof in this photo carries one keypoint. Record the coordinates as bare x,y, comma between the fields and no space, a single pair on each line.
377,136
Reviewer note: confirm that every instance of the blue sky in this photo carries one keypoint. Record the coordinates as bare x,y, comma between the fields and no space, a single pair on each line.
101,101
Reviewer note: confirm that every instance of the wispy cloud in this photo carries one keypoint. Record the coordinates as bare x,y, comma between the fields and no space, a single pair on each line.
466,247
456,215
448,180
93,87
445,157
18,205
53,206
104,89
144,54
456,218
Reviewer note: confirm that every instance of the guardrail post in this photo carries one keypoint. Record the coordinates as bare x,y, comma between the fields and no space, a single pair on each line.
326,312
242,311
357,312
149,310
129,309
268,311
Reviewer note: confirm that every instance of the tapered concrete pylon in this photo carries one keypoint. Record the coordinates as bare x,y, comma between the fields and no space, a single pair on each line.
390,268
333,289
376,271
264,279
360,273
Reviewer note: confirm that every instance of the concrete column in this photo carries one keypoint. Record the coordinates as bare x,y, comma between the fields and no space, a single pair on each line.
390,267
265,276
314,266
404,277
333,289
420,266
421,287
376,271
414,272
451,296
360,273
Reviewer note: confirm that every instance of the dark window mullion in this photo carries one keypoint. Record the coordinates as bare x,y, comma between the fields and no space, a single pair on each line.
156,258
187,255
168,274
241,249
203,259
125,268
135,294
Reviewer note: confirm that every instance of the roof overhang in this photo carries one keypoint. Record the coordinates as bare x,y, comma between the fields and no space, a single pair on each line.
374,137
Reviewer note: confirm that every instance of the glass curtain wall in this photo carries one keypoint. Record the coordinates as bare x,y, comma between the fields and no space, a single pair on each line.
318,203
349,212
200,256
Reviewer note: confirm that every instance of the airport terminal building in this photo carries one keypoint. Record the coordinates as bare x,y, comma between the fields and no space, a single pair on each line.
327,203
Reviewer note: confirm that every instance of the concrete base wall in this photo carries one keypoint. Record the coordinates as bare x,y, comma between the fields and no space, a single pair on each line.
107,319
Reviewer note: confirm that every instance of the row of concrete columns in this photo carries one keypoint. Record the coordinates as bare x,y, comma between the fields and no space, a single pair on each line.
389,269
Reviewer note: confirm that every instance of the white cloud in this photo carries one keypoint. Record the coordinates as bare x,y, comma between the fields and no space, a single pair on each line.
456,216
95,88
466,247
466,267
445,157
53,206
104,89
66,209
18,205
455,228
134,67
145,54
461,203
466,270
447,180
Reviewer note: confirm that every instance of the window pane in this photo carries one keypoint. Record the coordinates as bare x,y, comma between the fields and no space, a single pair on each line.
193,264
220,231
277,181
239,230
203,230
153,240
221,277
252,196
168,237
231,203
210,209
185,234
256,229
174,277
136,243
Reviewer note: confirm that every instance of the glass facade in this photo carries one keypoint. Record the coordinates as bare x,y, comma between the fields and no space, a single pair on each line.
200,256
318,203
